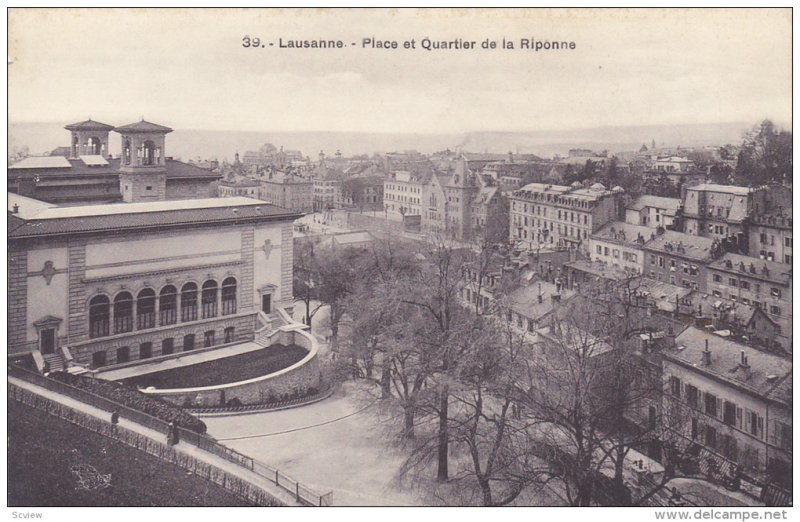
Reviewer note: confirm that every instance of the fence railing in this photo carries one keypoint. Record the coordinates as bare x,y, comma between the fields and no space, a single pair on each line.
243,489
302,494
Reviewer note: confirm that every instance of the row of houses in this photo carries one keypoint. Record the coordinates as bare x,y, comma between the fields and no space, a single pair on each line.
718,402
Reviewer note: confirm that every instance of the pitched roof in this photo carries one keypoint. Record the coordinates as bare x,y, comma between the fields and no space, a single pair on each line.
142,126
754,267
89,125
525,300
681,245
622,232
137,216
726,189
766,369
672,204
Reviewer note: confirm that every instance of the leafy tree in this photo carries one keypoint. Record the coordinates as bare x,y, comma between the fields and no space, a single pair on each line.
765,156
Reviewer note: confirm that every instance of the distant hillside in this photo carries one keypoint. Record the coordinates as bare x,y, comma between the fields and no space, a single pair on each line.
186,144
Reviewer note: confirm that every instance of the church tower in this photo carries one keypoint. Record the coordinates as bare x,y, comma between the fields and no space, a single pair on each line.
142,167
89,138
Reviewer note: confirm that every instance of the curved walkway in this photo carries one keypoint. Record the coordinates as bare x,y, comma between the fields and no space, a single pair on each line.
336,444
194,451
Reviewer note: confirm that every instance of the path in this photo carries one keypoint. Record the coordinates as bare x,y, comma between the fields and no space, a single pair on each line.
334,444
182,447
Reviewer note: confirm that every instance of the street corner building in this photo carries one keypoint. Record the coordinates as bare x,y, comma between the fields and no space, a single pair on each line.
103,284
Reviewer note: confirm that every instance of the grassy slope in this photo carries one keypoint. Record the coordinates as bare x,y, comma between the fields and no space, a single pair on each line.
42,448
221,371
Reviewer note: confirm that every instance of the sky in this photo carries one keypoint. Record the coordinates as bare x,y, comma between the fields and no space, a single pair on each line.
188,69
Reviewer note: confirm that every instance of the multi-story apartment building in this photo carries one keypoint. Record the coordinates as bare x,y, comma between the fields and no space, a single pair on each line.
764,284
619,245
288,191
403,192
654,212
558,215
770,236
722,211
680,259
239,187
361,192
327,186
731,399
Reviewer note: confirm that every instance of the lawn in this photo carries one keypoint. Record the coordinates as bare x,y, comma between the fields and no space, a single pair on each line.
222,371
46,457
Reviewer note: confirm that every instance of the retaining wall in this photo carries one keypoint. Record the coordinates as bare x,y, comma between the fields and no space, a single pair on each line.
300,379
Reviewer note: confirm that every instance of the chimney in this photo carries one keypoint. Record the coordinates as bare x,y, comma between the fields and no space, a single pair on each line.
539,296
744,366
706,355
15,209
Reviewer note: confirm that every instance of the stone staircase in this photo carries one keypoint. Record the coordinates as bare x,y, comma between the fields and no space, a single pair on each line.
55,362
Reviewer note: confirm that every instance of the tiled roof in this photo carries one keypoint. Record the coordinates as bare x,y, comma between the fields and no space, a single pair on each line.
89,125
137,216
725,358
681,245
753,267
623,232
525,300
142,126
655,202
726,189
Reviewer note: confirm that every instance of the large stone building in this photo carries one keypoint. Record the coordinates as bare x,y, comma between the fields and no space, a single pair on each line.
90,175
732,399
722,212
619,245
108,284
680,259
288,191
755,282
770,235
557,215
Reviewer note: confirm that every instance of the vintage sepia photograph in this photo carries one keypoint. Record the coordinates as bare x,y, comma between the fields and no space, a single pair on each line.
345,257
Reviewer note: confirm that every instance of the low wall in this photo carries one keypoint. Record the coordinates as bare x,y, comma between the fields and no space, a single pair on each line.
300,379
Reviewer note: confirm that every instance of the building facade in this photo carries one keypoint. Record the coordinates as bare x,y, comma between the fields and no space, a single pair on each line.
654,212
680,259
732,399
619,245
108,284
557,215
288,191
764,284
722,211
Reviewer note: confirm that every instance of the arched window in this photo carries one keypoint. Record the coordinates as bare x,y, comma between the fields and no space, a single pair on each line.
99,310
229,296
168,305
209,299
189,302
123,313
95,146
146,309
148,153
126,152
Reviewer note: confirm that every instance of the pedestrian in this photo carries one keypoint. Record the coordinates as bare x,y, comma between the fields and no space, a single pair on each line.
172,434
114,421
